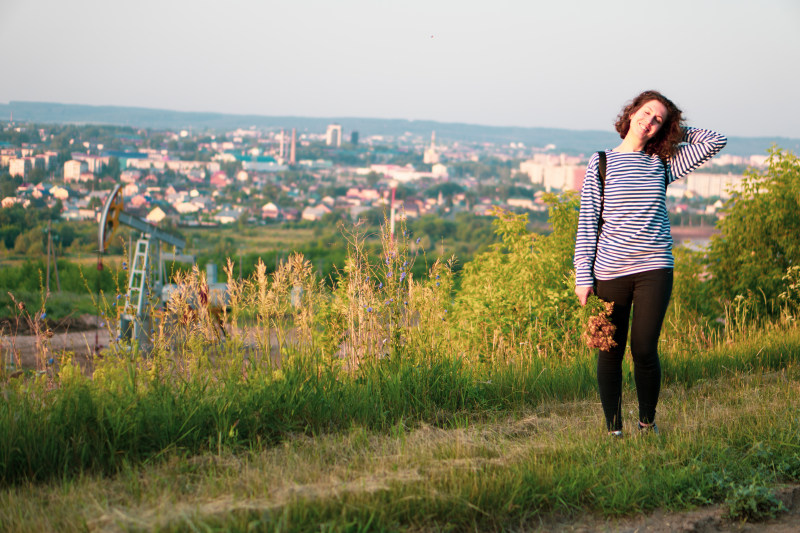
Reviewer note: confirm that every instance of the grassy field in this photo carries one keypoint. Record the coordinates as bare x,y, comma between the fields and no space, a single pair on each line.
732,439
416,443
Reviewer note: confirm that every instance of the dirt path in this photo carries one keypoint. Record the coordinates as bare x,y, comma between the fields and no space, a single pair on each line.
82,344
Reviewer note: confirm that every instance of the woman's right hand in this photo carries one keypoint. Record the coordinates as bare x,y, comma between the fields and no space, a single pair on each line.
583,293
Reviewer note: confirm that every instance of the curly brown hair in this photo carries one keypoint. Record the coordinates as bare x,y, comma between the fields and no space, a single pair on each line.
666,141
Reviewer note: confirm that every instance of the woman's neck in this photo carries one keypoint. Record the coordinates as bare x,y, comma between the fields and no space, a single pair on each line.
631,143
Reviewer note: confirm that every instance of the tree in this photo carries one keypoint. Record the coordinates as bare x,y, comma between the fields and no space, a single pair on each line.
758,238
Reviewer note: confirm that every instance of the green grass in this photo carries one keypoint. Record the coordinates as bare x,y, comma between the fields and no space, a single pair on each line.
134,411
730,440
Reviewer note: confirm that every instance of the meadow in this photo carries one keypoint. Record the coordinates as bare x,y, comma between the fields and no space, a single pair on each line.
394,400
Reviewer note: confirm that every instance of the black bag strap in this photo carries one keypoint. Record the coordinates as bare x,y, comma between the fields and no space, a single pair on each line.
601,168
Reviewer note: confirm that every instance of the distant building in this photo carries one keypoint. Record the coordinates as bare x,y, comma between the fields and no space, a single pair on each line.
315,213
708,185
156,215
73,170
20,166
333,137
228,216
270,211
431,154
60,193
220,179
129,176
564,175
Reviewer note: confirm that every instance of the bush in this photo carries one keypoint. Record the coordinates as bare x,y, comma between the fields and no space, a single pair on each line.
758,236
753,503
522,289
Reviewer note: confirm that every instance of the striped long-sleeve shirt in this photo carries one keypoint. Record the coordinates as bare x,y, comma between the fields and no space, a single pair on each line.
635,234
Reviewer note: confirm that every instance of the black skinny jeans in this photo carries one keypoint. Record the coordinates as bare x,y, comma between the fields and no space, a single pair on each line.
648,294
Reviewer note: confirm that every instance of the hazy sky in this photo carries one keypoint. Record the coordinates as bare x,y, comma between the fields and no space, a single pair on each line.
731,65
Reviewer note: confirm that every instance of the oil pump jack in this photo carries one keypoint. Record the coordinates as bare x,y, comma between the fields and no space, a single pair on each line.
146,277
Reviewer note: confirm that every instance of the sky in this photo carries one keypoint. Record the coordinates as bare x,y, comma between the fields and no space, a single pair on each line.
731,65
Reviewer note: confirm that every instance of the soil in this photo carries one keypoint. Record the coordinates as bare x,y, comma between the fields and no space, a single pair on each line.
77,335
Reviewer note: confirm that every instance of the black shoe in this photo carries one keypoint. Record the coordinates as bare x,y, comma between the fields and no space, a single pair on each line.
648,429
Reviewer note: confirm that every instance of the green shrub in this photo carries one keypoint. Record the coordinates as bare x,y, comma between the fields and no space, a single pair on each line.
522,289
753,503
758,236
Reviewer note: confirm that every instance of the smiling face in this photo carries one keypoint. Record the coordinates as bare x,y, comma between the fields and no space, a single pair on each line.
647,120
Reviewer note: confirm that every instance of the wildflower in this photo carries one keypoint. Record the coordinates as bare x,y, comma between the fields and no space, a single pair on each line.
51,361
391,299
380,285
418,238
445,310
369,309
118,296
44,314
405,263
599,331
102,324
437,283
437,276
405,303
389,275
402,276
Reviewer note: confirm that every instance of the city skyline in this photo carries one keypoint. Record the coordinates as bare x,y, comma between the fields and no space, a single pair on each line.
728,65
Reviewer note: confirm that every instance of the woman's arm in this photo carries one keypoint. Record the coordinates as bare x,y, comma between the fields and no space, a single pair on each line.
586,238
699,146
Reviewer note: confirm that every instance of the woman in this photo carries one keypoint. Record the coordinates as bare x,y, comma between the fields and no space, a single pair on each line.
630,262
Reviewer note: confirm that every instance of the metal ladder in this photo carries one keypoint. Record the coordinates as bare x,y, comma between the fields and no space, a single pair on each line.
138,290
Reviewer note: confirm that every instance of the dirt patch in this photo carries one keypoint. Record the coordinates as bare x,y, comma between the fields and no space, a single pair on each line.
29,351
